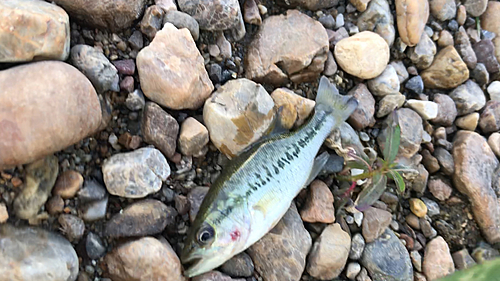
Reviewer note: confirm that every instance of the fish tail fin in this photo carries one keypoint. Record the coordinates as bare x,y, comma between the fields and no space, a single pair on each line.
328,99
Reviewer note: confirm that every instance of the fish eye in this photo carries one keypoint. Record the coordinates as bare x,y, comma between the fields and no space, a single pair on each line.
205,234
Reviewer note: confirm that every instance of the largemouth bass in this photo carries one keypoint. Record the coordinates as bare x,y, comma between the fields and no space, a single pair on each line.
257,187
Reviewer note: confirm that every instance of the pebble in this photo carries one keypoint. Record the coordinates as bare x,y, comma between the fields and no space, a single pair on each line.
72,227
91,191
146,258
4,215
69,99
320,263
98,69
224,46
416,260
357,246
127,84
464,48
142,218
445,37
363,116
172,72
24,247
489,21
94,246
213,15
494,90
274,44
387,83
422,55
494,142
418,207
135,100
159,129
440,188
360,4
389,103
327,21
363,275
378,18
413,221
485,53
40,179
427,229
193,137
353,269
462,259
195,198
419,184
312,5
437,259
135,40
183,20
240,265
441,74
374,223
475,8
352,55
447,111
296,109
135,174
271,254
387,259
166,5
400,70
461,15
415,85
480,74
251,13
151,21
339,21
125,67
358,218
445,160
443,10
468,98
238,114
330,65
474,167
490,117
31,38
468,122
432,207
181,204
68,183
94,210
426,109
318,206
430,162
411,19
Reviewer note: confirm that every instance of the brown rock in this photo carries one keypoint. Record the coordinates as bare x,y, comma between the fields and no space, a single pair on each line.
355,55
33,30
462,259
171,70
490,118
474,167
447,111
144,259
430,162
447,71
192,137
475,8
273,56
363,116
68,184
461,15
440,188
494,142
375,222
437,259
112,15
321,263
445,37
491,22
296,109
443,10
55,205
26,134
319,205
468,122
151,21
360,4
238,114
411,18
4,215
159,129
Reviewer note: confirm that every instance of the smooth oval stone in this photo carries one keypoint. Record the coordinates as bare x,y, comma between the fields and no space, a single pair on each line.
50,106
35,254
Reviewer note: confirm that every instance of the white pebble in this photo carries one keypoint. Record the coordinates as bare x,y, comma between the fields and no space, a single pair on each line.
494,90
426,109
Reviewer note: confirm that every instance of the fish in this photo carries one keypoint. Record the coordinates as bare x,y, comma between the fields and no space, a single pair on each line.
257,187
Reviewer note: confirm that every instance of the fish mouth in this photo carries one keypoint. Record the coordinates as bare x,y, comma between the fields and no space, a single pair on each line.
191,266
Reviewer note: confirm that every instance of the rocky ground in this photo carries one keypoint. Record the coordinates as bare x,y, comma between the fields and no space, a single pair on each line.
116,116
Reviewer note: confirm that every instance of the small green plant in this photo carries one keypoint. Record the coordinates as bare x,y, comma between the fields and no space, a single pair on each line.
487,271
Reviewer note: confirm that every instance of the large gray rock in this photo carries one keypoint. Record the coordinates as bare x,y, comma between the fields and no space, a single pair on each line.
468,98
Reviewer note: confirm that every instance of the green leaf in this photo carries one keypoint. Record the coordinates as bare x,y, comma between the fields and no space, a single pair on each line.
488,271
392,140
372,192
398,179
356,165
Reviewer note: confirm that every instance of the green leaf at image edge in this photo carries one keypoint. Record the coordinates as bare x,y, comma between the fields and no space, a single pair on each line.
398,179
488,271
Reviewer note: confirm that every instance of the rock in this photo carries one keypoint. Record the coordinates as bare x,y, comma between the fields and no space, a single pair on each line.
166,5
411,132
494,90
432,207
473,157
461,15
374,223
353,269
437,259
400,70
475,8
195,198
172,72
95,210
430,162
327,21
445,160
468,98
445,37
389,103
214,276
420,182
251,13
238,114
443,10
183,20
440,188
4,215
489,22
240,265
192,137
33,30
55,205
68,184
485,53
415,85
281,253
91,191
73,227
213,15
27,135
136,41
468,122
40,179
319,204
378,18
363,116
494,142
330,65
135,174
357,246
490,118
94,64
30,253
181,204
320,263
159,129
416,260
127,84
462,259
151,21
447,111
296,109
426,109
464,48
386,83
411,18
443,74
144,259
418,207
360,5
363,275
353,55
94,246
480,74
387,259
142,218
422,55
272,57
413,221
